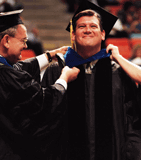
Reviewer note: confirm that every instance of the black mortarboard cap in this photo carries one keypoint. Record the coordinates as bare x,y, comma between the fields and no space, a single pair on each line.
108,19
10,19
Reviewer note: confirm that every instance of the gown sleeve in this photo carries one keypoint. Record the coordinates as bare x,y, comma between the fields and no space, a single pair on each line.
29,113
31,66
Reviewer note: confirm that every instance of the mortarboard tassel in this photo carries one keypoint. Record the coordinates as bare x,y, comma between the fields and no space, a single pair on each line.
71,30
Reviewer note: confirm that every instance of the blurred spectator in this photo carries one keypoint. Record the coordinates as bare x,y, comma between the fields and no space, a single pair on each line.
137,3
136,55
128,25
133,26
137,23
128,8
33,42
117,30
130,18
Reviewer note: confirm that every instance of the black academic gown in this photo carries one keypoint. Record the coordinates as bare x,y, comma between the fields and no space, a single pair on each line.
30,119
103,114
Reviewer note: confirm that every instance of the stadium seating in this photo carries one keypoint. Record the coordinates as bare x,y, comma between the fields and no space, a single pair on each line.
123,45
27,53
135,41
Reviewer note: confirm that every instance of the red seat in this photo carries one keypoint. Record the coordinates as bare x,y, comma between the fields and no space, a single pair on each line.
114,9
123,44
27,53
135,41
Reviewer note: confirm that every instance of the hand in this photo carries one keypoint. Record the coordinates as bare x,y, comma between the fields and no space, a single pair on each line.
69,74
114,52
58,50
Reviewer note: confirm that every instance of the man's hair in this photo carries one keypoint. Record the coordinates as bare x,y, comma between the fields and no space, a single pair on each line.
10,31
88,12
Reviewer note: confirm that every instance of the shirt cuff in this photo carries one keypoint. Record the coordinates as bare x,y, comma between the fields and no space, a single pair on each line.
62,82
43,61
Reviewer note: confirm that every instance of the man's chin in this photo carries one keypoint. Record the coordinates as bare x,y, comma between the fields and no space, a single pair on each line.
88,45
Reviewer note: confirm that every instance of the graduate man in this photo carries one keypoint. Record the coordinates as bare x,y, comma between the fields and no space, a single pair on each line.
102,118
30,119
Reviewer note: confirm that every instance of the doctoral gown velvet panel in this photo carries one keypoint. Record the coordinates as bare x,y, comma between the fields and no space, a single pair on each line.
103,114
30,120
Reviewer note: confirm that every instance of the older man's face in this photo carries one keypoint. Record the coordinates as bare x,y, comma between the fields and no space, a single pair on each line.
17,44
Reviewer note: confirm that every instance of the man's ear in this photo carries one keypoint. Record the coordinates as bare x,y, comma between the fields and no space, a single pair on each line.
5,41
103,35
73,36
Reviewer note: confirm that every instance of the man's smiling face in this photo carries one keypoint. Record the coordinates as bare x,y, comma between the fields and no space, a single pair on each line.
88,32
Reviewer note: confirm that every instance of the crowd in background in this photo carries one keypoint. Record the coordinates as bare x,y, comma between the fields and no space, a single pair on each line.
128,12
130,17
128,25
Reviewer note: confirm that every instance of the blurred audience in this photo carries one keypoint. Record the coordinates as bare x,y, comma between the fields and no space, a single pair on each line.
129,22
128,25
130,16
136,55
34,41
128,9
117,30
136,25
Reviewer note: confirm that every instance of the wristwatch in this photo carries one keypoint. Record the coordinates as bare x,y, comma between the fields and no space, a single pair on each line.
49,57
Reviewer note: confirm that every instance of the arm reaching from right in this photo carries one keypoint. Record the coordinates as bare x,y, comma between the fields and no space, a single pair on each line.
131,69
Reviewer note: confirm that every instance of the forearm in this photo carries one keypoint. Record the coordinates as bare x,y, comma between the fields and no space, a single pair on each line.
131,69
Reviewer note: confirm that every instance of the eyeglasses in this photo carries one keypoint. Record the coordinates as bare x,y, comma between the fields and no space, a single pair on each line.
24,40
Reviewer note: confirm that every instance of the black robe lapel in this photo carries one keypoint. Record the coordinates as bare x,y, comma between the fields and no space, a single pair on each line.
103,109
84,108
76,117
